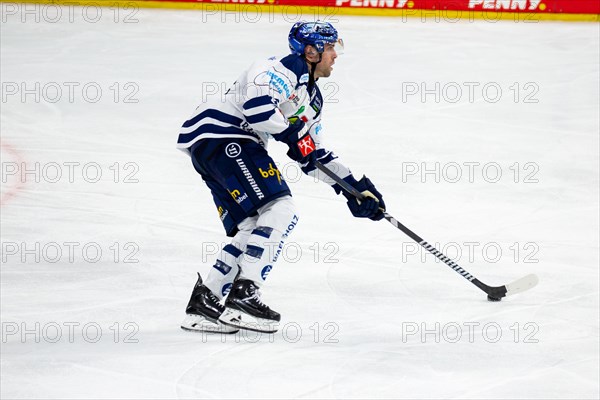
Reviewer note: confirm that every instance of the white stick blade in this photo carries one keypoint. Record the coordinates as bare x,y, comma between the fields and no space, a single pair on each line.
521,285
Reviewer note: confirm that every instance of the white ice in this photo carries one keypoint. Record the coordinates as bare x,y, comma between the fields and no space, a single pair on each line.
363,316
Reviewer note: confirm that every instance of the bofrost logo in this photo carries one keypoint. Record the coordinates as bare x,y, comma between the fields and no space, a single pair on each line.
233,150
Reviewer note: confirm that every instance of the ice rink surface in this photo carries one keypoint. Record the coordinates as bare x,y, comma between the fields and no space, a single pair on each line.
103,234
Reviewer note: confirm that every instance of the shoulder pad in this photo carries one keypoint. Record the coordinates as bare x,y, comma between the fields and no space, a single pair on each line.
297,65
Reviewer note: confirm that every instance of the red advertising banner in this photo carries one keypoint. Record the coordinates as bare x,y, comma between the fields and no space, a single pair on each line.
512,6
531,10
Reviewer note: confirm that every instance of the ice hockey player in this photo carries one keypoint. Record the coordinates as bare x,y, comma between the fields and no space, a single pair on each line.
275,98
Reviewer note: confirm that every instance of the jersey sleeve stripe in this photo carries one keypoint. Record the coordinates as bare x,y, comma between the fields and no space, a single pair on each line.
258,109
255,119
211,128
215,114
258,101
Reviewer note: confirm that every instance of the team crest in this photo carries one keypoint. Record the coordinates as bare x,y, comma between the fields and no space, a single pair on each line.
306,146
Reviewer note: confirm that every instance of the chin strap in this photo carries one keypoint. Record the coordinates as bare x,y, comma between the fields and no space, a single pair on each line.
311,73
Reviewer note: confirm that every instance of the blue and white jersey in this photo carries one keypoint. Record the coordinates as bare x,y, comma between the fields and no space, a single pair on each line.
260,105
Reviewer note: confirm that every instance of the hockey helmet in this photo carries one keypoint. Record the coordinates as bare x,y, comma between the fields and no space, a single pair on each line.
316,34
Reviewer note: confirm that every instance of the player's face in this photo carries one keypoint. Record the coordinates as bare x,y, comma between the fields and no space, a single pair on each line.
328,57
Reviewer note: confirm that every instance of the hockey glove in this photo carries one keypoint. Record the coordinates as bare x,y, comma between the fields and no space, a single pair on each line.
301,146
372,206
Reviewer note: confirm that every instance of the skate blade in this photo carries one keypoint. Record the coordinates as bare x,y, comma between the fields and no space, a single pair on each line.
242,320
198,323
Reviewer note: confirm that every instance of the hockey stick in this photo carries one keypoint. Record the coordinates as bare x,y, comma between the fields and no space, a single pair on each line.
495,293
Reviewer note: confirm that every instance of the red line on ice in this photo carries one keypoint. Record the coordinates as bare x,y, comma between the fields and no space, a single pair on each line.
12,191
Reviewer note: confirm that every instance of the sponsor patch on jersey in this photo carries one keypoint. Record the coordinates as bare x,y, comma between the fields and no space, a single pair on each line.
294,99
248,175
306,146
318,129
303,78
225,290
238,193
234,193
270,172
265,271
246,127
238,197
235,189
300,111
287,232
222,213
233,150
279,84
316,103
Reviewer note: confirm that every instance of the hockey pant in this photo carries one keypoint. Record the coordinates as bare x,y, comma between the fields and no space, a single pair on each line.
254,204
255,248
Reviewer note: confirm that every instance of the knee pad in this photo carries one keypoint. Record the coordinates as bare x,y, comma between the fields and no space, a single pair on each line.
279,214
245,227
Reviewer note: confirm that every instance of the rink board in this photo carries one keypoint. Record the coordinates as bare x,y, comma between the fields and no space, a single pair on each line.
447,10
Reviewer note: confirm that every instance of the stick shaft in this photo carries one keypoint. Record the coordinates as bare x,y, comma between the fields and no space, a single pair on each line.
352,190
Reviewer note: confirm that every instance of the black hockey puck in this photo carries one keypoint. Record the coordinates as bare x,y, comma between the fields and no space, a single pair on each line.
490,298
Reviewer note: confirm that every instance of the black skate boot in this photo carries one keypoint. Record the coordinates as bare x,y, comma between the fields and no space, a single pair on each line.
243,309
203,311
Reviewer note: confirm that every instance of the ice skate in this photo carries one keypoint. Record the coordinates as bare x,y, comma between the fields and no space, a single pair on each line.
244,309
203,311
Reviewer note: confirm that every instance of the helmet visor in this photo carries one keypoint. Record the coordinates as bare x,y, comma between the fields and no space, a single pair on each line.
338,46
